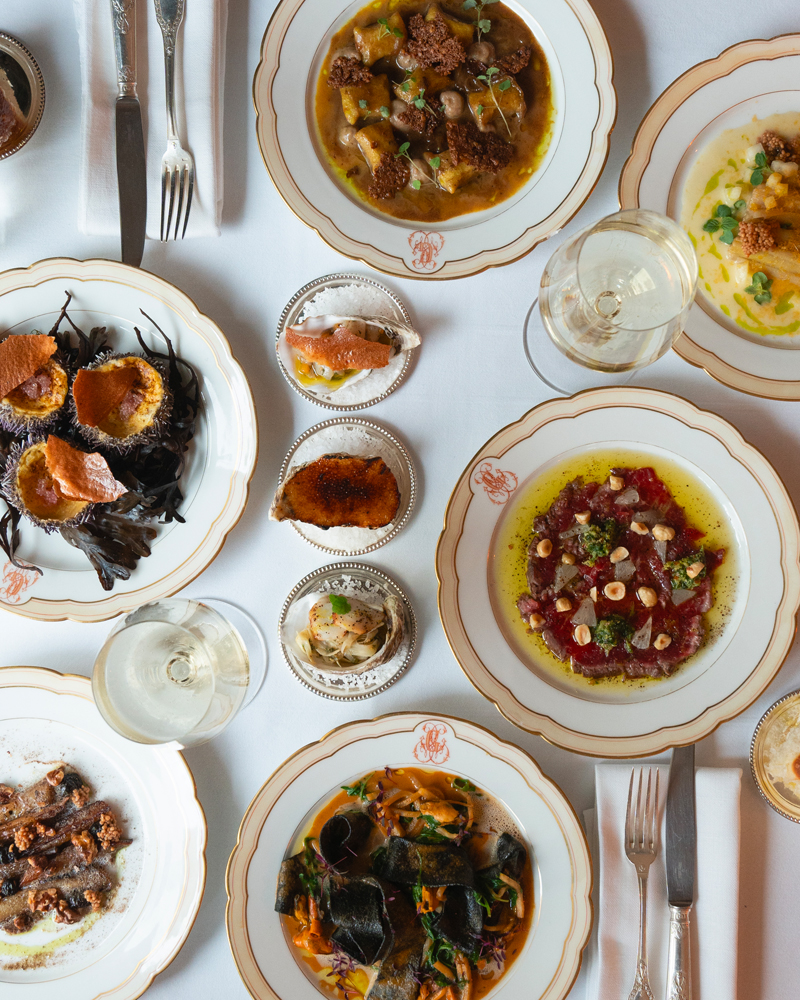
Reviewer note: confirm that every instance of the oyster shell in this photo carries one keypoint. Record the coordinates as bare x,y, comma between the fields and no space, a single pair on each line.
333,646
399,335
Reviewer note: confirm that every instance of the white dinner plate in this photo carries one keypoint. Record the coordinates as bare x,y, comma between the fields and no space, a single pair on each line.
728,672
562,872
47,717
752,79
219,464
295,44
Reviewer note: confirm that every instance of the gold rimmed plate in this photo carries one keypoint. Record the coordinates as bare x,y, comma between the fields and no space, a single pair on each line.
22,82
730,669
751,80
551,954
219,463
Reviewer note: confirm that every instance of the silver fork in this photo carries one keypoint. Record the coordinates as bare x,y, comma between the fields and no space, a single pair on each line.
177,166
641,846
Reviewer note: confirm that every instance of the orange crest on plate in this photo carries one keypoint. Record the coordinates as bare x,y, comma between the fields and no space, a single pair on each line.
15,581
432,746
426,247
498,484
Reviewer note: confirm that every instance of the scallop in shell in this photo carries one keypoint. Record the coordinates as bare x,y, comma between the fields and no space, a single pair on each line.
323,353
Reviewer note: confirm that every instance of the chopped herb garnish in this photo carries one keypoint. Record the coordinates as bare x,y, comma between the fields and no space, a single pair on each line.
463,785
598,539
677,569
610,632
359,790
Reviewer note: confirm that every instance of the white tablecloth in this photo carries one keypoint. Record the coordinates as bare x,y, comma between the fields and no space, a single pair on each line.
472,344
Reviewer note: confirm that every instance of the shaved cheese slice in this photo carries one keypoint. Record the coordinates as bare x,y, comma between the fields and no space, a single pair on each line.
81,475
21,356
97,393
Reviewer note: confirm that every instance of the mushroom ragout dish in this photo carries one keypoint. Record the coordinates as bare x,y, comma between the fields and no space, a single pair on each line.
409,886
618,583
430,111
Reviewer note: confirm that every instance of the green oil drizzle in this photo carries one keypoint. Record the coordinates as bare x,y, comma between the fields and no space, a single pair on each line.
726,310
760,328
713,250
732,163
713,181
724,272
784,303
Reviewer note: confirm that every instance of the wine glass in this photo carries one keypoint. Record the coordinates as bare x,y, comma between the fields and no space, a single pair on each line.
612,300
178,670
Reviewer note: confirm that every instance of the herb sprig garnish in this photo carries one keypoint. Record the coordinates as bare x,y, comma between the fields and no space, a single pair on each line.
503,85
724,221
339,604
387,29
759,288
762,170
484,25
359,789
404,151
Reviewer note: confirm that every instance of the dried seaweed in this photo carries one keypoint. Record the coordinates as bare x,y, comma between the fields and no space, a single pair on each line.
115,536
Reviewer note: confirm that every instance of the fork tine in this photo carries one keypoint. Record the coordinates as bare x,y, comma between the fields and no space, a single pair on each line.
181,184
654,818
188,201
171,203
163,201
640,812
647,836
629,814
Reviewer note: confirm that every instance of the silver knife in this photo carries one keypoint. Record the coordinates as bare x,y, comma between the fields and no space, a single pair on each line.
131,168
681,843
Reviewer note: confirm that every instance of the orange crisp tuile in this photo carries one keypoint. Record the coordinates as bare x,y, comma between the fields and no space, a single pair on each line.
97,393
21,356
81,475
340,350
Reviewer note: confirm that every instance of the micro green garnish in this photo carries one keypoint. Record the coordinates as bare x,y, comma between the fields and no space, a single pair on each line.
480,109
761,172
387,29
384,111
362,104
463,785
487,79
309,870
759,288
435,162
724,221
420,102
403,151
359,789
339,604
484,25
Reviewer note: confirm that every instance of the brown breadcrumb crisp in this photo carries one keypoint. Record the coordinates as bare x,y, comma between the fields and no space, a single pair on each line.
421,120
516,61
56,776
348,72
22,922
484,150
64,914
42,901
757,235
86,844
24,837
95,898
109,833
44,830
431,44
778,148
391,176
6,793
80,796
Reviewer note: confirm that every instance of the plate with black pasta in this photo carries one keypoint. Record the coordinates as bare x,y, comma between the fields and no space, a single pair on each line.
127,439
409,858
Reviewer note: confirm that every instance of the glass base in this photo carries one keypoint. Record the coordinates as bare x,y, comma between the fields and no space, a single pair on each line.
252,637
554,368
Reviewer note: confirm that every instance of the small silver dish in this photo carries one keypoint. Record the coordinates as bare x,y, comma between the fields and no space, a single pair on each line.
368,584
353,436
363,393
20,73
783,801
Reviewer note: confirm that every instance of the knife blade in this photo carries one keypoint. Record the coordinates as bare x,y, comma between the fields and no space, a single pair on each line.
131,164
680,851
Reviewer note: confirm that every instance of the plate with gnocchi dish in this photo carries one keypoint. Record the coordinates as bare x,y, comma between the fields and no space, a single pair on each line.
719,152
638,591
434,139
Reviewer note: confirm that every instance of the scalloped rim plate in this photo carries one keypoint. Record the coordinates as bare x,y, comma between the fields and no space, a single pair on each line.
586,106
219,464
551,957
724,677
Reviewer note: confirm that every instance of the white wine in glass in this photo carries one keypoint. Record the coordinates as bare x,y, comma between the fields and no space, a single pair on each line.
171,670
615,296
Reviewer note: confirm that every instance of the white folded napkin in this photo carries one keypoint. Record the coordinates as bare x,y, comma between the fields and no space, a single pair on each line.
715,915
199,72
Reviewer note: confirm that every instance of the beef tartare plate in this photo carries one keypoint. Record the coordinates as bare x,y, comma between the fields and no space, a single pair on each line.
618,581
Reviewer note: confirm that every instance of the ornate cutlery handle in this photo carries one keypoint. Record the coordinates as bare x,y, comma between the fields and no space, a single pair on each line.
679,964
123,13
169,14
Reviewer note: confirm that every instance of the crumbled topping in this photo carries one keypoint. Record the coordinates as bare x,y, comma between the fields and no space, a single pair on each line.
42,901
484,150
348,72
6,794
44,830
37,861
108,833
757,235
421,120
56,776
778,148
515,62
86,845
95,898
24,837
65,914
432,44
80,796
22,922
391,175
